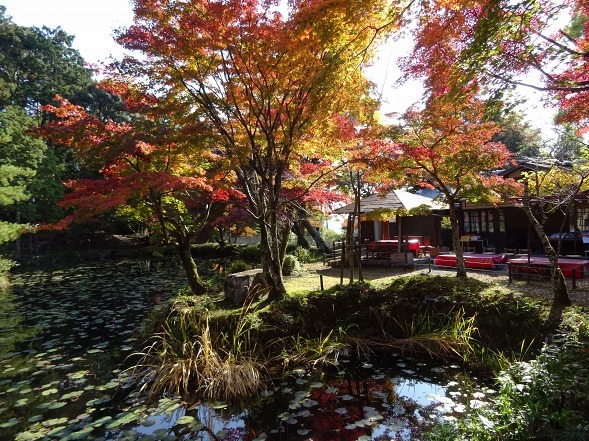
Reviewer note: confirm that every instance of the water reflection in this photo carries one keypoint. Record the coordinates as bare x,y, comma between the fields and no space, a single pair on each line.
66,381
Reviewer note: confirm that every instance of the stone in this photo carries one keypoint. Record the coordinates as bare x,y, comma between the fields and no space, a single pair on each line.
239,286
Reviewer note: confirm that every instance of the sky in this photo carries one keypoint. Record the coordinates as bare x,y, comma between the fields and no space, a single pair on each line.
92,22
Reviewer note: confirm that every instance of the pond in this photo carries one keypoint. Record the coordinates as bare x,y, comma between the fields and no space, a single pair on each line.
66,333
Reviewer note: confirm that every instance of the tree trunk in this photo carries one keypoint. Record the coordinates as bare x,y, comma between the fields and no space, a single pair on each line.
194,281
350,245
315,235
298,230
460,265
557,281
272,261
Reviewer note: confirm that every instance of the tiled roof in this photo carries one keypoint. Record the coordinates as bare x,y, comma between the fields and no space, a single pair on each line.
392,201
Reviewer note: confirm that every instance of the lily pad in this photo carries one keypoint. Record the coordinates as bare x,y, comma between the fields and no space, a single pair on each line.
10,423
57,405
125,418
186,419
49,391
80,434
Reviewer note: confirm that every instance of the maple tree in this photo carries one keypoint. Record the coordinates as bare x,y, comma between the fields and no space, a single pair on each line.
268,77
448,146
558,189
148,163
494,43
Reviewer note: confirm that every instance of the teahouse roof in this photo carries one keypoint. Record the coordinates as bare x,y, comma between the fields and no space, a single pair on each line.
393,200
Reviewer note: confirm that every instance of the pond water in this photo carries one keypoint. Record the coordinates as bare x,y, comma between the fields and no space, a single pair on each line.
65,335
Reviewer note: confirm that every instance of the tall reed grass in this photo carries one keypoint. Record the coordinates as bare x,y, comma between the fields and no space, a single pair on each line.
189,358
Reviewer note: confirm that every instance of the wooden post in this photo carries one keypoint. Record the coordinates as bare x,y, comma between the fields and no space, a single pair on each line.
574,278
321,281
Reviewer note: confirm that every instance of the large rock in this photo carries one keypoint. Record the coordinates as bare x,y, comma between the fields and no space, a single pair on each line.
240,286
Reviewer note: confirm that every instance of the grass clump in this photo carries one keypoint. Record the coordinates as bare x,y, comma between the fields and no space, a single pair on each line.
188,357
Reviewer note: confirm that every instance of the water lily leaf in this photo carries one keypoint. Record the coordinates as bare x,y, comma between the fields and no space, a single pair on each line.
22,402
97,401
77,375
74,394
217,405
364,438
284,416
332,390
148,423
166,406
49,391
303,431
57,405
10,423
266,393
30,435
186,419
399,410
125,418
351,426
316,385
99,422
341,410
35,419
54,422
57,431
80,434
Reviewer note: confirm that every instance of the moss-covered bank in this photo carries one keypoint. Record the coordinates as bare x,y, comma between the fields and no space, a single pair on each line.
203,347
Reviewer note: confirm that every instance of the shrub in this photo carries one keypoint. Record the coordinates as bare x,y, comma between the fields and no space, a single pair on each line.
290,265
251,253
303,255
205,249
543,399
238,266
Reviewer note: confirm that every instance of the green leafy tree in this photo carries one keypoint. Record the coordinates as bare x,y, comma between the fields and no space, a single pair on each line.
11,192
517,134
568,144
36,64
